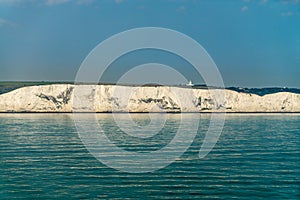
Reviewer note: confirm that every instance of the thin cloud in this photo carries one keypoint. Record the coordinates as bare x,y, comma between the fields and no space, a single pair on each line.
289,13
263,1
181,9
290,1
12,2
5,22
244,8
286,14
55,2
45,2
85,2
119,1
141,7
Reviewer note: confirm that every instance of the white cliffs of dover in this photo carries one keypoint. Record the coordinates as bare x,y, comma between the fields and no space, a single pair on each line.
111,98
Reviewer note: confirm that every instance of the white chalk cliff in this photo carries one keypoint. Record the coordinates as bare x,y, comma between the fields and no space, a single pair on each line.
108,98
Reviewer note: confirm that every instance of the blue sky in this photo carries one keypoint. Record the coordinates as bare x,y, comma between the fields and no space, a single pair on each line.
255,43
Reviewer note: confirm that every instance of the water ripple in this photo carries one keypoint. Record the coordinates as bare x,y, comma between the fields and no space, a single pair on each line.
256,157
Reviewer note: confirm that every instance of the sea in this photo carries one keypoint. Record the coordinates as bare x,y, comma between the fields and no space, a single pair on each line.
43,156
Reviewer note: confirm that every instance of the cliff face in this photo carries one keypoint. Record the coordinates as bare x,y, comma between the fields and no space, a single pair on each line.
107,98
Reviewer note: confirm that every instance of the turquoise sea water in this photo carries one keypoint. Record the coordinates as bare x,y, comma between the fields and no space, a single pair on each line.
256,157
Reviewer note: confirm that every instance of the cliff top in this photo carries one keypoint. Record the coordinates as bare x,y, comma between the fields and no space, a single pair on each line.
7,86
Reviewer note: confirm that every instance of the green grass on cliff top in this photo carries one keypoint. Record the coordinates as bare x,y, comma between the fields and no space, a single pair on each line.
7,86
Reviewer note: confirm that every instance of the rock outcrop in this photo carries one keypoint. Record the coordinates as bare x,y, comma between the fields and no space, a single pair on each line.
109,98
